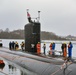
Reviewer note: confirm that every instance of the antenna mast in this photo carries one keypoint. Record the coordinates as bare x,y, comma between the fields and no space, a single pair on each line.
39,15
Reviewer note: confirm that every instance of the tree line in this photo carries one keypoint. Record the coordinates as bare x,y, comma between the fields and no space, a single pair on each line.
19,34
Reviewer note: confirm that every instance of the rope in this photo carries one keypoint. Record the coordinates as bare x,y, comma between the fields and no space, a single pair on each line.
56,72
64,66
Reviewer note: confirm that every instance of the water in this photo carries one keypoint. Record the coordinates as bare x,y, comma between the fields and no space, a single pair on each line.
8,69
6,42
58,44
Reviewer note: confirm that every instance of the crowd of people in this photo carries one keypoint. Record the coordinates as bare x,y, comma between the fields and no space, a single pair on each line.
66,49
15,46
65,53
52,47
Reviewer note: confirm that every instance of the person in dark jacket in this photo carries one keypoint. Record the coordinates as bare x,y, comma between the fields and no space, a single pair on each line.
13,45
44,48
62,47
10,45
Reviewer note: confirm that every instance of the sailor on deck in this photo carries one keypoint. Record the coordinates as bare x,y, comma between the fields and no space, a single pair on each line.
44,47
50,48
38,48
53,48
70,46
65,50
22,45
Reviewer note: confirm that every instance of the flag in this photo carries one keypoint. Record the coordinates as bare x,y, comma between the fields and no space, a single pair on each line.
28,15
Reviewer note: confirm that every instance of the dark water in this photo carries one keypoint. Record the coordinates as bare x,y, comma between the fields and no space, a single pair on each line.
9,68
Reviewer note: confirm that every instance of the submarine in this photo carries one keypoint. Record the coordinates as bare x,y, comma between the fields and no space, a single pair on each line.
35,64
32,36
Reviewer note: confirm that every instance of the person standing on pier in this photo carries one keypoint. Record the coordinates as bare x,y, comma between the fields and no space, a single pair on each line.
44,48
70,46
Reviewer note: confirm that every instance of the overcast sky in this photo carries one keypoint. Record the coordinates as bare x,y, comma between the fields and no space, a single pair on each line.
58,16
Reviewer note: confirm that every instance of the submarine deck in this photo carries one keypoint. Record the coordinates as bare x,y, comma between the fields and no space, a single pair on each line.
36,64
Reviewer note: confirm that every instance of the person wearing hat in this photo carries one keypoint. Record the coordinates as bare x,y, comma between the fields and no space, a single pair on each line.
44,47
50,48
22,46
65,50
62,47
38,46
70,46
16,45
53,48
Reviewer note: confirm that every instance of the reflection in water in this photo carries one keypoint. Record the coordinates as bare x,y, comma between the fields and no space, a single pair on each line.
15,71
7,69
12,70
2,65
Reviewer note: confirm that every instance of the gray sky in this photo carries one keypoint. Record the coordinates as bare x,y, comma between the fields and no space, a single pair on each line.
58,16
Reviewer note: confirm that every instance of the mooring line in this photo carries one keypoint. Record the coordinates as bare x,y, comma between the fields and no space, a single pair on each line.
64,66
55,72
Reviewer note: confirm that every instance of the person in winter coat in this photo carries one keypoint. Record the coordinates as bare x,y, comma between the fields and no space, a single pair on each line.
44,48
38,46
65,51
62,47
50,48
53,48
22,46
70,46
10,45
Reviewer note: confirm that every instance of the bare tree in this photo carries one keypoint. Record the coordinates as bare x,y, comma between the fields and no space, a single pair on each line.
7,30
1,30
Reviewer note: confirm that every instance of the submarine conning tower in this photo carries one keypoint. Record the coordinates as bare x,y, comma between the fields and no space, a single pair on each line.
32,35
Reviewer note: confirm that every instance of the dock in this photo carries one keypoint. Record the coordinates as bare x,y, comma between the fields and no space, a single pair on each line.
37,65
